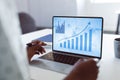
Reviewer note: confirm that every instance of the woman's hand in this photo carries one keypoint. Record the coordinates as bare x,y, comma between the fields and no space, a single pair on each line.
85,70
35,47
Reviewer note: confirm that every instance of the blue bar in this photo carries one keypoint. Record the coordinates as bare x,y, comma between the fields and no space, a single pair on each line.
76,42
69,44
81,41
72,43
85,42
90,40
60,44
65,44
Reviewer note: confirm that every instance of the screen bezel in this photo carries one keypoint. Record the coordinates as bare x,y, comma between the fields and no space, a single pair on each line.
68,53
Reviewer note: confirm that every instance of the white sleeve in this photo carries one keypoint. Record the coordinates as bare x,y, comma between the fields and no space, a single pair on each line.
13,60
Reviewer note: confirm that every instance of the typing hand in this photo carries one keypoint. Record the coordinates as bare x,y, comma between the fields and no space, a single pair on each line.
85,70
35,47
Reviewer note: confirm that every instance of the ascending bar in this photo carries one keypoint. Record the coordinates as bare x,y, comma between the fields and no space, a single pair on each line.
90,40
68,44
72,43
85,42
64,44
81,41
60,44
76,42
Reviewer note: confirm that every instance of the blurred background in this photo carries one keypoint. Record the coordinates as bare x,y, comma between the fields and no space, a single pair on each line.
43,10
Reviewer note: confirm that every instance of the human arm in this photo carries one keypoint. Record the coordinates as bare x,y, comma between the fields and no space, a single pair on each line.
85,70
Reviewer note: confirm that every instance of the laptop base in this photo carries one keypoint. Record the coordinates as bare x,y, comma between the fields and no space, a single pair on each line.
66,59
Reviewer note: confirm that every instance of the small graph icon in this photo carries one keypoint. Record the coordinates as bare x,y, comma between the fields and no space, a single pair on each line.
60,28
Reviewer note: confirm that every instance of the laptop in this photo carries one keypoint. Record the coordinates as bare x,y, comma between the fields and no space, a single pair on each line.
75,37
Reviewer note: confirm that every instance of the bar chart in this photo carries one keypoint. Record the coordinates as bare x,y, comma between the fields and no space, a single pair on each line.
81,41
75,35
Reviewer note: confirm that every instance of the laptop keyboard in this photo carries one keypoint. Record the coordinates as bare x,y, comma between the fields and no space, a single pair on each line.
66,59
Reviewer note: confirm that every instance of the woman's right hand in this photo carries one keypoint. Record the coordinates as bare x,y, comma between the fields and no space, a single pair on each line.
35,47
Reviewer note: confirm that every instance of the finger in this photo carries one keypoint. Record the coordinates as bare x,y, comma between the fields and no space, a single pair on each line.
81,60
42,43
39,42
29,44
37,52
91,61
35,42
41,50
37,48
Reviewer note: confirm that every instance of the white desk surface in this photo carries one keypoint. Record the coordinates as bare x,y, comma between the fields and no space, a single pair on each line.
109,65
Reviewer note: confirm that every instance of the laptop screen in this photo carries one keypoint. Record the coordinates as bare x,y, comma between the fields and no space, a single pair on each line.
78,35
